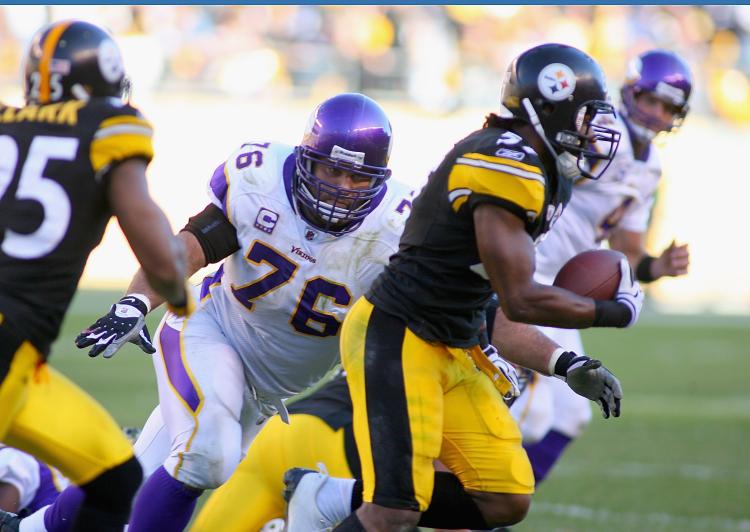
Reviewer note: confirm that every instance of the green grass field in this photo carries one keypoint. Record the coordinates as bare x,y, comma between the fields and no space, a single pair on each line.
678,459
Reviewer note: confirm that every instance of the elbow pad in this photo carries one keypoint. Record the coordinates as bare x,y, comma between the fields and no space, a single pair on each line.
215,234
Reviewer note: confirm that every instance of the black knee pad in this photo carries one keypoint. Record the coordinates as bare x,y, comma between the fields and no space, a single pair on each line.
113,490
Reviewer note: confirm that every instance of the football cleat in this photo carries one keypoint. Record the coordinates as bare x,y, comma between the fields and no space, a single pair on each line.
300,493
9,522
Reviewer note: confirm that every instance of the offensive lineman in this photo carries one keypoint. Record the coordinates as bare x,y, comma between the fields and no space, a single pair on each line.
616,208
304,231
72,157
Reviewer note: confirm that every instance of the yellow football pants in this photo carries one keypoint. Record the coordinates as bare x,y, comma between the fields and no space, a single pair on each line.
46,415
253,494
415,402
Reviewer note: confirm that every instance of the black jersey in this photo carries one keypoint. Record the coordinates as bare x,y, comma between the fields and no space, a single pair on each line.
331,403
54,161
436,282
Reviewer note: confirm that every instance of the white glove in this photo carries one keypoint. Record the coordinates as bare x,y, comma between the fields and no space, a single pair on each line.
507,369
629,292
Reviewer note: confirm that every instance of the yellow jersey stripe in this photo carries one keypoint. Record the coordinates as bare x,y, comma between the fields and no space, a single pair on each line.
118,147
504,160
502,168
528,194
48,49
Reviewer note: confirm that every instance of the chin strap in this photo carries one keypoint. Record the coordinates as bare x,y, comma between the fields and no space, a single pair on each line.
565,163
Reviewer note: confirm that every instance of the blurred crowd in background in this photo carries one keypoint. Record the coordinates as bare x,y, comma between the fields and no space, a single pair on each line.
438,57
209,77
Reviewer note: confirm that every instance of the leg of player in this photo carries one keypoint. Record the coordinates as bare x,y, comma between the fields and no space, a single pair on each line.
564,414
253,495
152,446
431,403
202,419
451,507
61,513
101,463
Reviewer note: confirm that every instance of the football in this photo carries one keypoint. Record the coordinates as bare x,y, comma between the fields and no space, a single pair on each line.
594,273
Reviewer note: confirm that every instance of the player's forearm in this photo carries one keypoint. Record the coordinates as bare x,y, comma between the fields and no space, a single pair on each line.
161,256
194,260
147,230
522,344
629,243
540,304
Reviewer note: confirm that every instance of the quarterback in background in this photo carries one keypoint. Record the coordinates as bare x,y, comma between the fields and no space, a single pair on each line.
304,231
615,208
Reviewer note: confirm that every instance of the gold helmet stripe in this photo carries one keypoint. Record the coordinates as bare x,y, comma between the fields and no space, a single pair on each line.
48,50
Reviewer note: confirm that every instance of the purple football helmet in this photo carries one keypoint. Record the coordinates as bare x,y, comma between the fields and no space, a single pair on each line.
667,77
349,132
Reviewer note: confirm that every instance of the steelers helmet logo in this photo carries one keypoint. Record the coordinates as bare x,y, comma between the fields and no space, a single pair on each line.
556,82
110,62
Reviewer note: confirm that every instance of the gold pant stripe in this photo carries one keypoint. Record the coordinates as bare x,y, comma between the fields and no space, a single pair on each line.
352,358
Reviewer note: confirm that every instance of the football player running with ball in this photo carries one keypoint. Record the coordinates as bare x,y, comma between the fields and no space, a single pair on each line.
303,232
72,157
616,208
411,346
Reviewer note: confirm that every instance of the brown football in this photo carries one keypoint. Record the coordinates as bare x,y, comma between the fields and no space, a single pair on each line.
594,273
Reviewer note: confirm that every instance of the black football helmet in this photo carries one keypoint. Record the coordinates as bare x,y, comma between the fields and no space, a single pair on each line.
72,59
560,90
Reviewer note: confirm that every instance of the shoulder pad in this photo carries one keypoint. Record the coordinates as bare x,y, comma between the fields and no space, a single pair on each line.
394,210
253,168
122,133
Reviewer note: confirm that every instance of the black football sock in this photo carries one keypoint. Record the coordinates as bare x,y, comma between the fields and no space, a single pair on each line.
356,495
108,499
451,506
350,524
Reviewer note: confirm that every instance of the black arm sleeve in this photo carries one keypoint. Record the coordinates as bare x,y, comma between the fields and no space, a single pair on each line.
216,235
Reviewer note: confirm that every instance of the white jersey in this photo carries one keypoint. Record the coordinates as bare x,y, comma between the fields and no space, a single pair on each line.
281,299
38,484
622,197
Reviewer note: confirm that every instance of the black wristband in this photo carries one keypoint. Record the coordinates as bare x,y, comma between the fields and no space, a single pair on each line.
563,363
643,270
611,314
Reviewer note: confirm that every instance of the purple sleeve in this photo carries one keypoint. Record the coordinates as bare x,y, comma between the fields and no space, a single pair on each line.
219,186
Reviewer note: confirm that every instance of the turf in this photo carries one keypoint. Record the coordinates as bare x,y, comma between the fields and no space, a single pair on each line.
676,460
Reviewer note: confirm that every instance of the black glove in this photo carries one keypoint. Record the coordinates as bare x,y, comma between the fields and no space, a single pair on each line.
589,378
125,322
